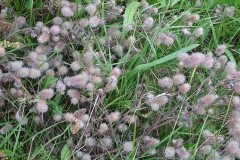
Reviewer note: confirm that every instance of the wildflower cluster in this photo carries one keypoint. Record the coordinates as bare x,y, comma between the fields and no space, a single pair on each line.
80,57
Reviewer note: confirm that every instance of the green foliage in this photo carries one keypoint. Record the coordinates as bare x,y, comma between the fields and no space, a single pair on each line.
65,152
47,81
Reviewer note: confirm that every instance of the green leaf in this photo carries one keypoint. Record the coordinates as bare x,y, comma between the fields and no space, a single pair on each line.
128,16
167,58
65,153
47,81
163,3
55,104
230,56
29,4
6,152
174,2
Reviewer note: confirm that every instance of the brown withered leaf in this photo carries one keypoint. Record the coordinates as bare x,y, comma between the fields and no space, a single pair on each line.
75,126
3,156
79,113
5,26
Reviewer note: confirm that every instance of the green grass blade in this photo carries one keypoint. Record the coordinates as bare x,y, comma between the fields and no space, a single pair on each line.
129,14
230,56
167,58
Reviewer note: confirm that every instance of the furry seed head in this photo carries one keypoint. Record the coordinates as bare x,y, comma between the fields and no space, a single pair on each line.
236,102
33,56
42,106
103,128
231,69
220,49
158,101
198,32
192,18
186,32
191,61
236,87
150,141
91,9
34,73
114,33
167,40
195,60
90,87
122,127
67,11
177,143
90,142
154,106
209,61
55,30
232,147
45,29
205,150
86,157
229,11
19,117
16,65
74,101
83,22
78,80
178,79
88,57
183,153
97,80
43,38
207,133
165,82
148,22
57,20
40,25
69,117
94,21
223,59
73,93
55,38
62,70
47,93
111,84
207,100
2,51
114,116
6,128
130,119
184,88
75,66
60,87
116,72
106,142
41,49
67,25
24,72
169,152
118,50
182,56
57,117
128,146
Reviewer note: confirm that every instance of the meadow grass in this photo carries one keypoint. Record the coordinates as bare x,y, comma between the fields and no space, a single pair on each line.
139,74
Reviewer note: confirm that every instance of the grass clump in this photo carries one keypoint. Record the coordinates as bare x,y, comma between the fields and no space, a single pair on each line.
119,80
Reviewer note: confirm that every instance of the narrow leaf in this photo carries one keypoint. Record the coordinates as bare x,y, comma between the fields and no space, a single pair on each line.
128,16
230,56
65,153
167,58
47,81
